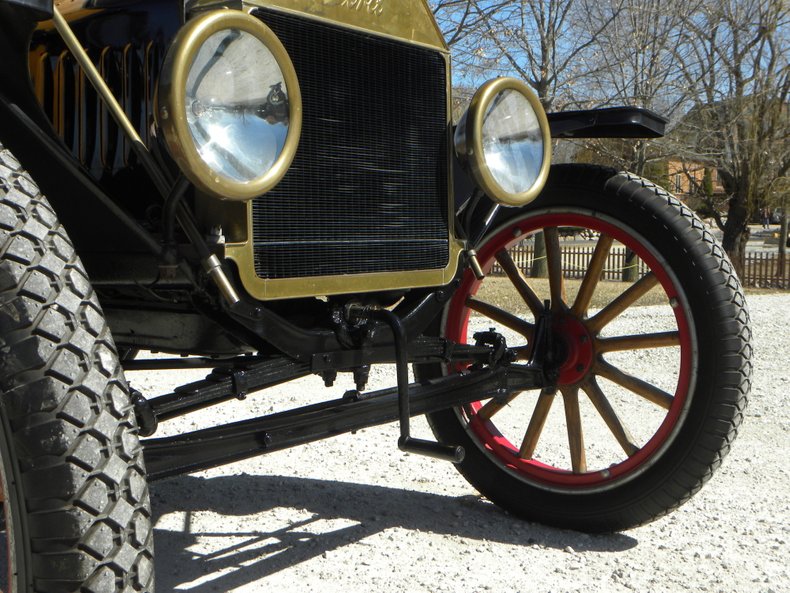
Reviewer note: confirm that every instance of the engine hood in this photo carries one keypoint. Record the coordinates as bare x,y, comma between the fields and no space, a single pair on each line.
407,20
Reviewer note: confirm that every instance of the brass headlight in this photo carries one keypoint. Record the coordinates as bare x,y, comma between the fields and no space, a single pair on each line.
229,105
504,142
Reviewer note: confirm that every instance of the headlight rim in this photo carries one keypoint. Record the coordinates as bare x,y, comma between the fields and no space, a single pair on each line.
469,144
171,116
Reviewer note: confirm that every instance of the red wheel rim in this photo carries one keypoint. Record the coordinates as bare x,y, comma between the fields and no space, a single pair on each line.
579,365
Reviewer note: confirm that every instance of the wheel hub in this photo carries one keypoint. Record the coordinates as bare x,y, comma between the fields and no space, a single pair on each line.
577,348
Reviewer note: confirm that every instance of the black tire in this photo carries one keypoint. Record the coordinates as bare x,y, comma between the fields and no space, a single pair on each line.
686,415
76,499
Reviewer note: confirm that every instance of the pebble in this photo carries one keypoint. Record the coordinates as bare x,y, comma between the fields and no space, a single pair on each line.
687,551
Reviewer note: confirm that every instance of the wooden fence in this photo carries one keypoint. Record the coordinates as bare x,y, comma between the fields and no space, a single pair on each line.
762,269
574,261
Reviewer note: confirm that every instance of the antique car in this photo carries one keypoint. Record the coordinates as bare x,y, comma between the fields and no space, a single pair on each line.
271,189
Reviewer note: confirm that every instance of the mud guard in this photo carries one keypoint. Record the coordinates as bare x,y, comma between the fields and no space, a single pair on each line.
612,122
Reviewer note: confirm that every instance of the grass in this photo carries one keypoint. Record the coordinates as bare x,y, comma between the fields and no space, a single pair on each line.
498,289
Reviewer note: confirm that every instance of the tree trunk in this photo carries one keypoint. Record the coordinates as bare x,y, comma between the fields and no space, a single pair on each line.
736,235
630,271
540,267
781,268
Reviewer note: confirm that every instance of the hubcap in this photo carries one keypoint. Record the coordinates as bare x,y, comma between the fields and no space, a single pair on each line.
577,346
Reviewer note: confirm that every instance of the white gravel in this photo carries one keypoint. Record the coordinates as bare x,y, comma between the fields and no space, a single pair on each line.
354,514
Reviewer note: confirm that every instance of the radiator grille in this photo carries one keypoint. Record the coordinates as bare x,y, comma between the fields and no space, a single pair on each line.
367,191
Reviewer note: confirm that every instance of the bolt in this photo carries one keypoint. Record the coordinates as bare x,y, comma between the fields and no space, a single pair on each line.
579,368
517,232
198,109
583,338
673,302
329,378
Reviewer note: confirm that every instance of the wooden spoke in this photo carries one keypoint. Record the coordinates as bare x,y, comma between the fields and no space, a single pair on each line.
573,421
501,316
611,418
554,261
517,278
592,276
622,302
657,340
536,424
495,404
638,386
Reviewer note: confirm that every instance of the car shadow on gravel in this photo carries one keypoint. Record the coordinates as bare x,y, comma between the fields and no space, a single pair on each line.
253,551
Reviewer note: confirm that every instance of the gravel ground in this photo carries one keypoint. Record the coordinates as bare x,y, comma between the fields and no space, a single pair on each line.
354,514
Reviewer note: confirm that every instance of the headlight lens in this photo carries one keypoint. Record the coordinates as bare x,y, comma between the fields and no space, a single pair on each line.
238,116
229,105
503,140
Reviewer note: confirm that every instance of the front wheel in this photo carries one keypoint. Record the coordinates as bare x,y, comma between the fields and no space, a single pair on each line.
73,486
654,342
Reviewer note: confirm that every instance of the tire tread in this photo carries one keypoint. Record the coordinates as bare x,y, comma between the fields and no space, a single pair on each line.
68,409
732,314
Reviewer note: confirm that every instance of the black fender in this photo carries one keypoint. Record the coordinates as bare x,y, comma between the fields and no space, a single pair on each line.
611,122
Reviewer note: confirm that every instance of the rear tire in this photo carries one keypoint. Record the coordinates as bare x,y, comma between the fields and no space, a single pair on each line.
682,425
76,499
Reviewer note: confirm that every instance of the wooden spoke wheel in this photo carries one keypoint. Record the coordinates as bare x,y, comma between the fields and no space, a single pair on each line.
652,338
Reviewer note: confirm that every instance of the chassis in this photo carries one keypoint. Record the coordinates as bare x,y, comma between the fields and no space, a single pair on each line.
177,270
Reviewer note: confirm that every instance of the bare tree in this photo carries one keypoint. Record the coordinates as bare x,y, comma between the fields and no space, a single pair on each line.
463,24
460,19
540,41
719,68
635,63
780,190
735,56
